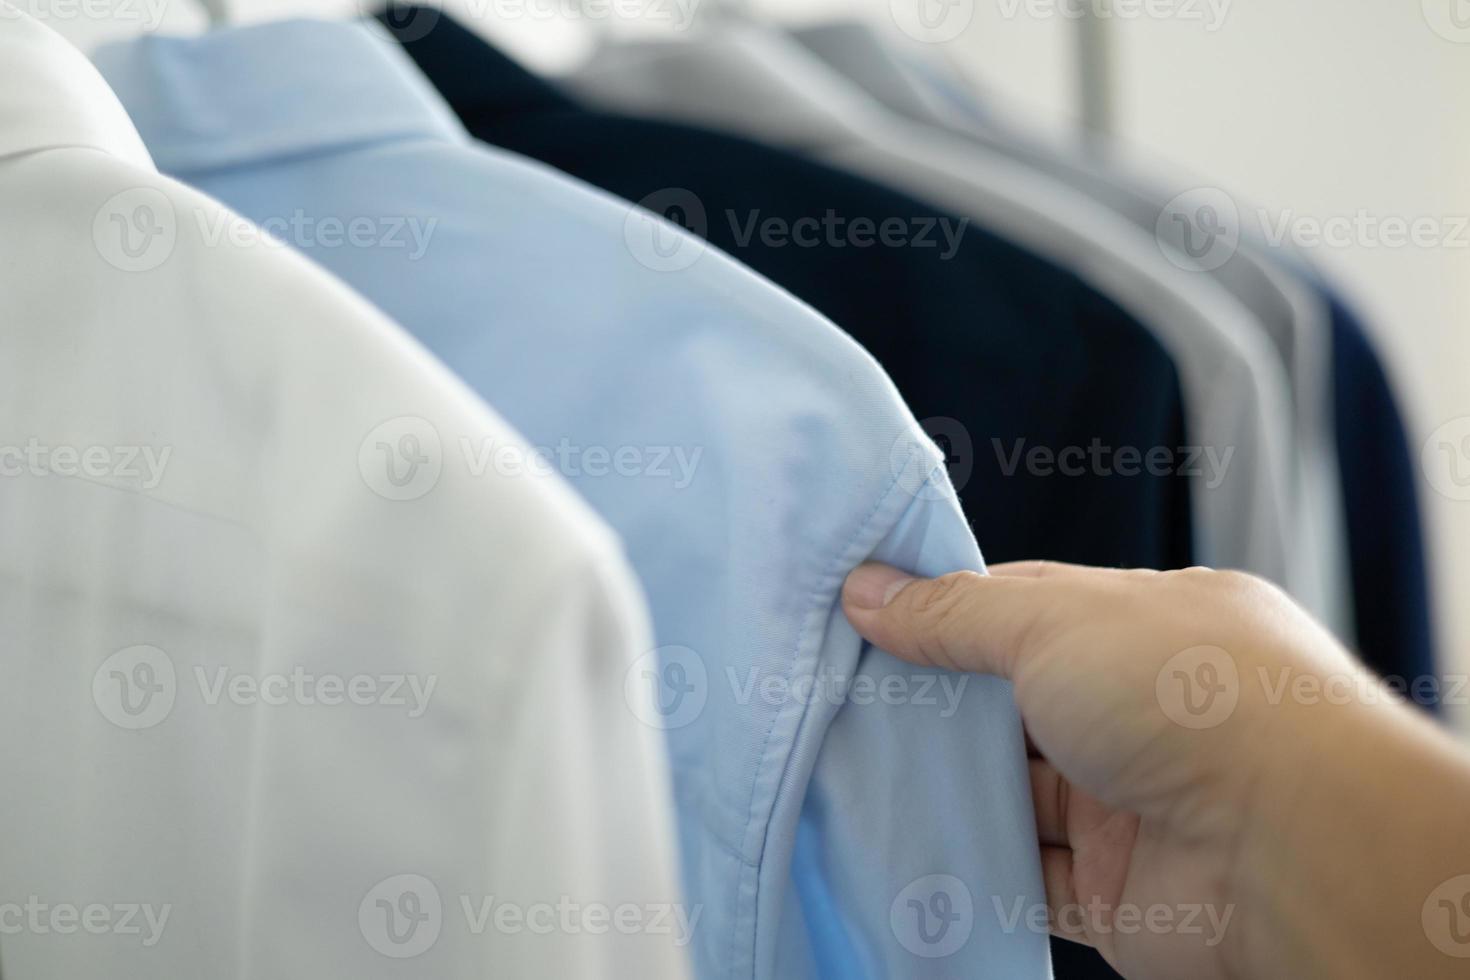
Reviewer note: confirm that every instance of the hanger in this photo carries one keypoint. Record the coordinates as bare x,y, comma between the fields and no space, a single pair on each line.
730,10
546,45
216,12
109,21
702,14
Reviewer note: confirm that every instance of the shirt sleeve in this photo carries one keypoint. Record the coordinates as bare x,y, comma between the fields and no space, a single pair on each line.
915,851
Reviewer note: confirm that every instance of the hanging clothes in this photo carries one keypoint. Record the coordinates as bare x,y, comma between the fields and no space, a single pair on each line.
1290,314
281,668
1390,566
749,453
1356,467
1010,359
1237,396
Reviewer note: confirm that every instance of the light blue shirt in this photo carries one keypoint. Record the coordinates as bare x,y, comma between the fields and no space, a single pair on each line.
841,814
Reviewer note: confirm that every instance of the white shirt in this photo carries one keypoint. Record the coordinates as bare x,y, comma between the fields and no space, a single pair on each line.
290,690
799,461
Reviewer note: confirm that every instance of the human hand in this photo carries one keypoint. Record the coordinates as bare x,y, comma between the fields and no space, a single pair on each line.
1170,758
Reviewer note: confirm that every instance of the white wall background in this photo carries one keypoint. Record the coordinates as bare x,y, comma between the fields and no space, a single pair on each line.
1312,109
1323,108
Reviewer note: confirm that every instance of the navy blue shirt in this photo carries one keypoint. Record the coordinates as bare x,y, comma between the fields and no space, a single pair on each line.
1009,360
1386,549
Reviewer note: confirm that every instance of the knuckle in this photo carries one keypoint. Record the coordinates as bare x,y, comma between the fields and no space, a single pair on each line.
1239,588
1225,580
943,595
940,609
1259,591
1242,583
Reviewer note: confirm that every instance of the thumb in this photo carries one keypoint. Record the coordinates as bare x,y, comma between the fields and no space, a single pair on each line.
963,621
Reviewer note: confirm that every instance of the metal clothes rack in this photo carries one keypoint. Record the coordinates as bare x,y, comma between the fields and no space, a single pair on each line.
1095,79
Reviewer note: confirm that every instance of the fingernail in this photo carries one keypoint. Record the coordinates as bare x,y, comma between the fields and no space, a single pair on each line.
873,586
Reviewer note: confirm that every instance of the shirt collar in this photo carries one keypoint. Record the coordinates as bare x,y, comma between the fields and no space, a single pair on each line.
52,96
471,74
270,91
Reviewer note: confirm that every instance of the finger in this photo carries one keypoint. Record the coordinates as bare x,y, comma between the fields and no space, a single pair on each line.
1061,894
963,621
1051,794
1037,569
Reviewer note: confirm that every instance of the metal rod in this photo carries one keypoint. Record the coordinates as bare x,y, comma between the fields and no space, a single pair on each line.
217,11
1095,82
